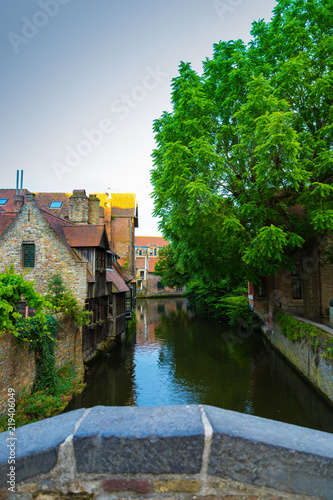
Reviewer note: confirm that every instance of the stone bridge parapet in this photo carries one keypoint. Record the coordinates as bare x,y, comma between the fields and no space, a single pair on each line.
188,451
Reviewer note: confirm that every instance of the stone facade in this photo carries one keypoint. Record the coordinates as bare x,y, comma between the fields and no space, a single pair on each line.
52,256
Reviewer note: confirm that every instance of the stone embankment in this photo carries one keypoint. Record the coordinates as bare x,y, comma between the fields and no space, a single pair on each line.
186,452
309,360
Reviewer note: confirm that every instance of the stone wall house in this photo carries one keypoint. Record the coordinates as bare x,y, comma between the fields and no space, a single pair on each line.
147,255
40,245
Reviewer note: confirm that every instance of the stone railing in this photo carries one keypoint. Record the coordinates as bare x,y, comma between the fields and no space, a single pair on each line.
165,452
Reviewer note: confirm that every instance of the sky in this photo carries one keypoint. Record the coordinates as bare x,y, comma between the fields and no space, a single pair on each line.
82,82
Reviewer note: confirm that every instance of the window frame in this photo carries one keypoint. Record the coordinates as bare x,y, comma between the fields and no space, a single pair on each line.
26,258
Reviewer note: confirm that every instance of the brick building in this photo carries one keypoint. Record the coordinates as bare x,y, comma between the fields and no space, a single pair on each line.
147,254
42,244
286,290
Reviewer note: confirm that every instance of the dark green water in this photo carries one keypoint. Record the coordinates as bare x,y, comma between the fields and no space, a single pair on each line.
175,358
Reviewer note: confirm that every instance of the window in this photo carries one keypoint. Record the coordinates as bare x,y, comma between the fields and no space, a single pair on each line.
3,201
55,204
28,254
262,292
160,286
296,283
150,251
142,275
155,251
139,252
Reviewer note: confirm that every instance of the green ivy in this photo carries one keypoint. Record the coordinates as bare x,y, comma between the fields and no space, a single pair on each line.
64,300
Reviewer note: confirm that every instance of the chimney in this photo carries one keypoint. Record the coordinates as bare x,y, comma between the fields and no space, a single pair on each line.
18,198
78,207
93,212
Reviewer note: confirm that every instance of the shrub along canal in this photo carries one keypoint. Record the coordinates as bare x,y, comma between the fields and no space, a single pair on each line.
175,358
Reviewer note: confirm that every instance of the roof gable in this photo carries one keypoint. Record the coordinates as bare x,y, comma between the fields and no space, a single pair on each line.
149,241
86,236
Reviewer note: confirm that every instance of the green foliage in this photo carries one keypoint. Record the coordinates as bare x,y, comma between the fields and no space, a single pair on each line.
35,406
63,300
13,290
297,331
42,342
170,269
246,142
236,309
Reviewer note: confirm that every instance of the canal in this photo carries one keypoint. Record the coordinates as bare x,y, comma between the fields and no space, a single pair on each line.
175,358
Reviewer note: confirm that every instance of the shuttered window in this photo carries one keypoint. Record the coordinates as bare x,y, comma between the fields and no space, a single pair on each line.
28,254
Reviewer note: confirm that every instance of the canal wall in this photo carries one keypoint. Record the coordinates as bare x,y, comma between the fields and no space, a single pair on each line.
310,358
189,451
17,362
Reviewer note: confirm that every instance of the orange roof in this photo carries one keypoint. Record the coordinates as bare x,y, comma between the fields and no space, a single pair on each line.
84,236
47,198
140,262
149,241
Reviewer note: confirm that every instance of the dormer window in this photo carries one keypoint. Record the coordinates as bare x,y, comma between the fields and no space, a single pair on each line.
55,204
3,201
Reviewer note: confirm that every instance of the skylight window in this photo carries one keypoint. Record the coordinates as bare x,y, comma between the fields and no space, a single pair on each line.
3,201
56,204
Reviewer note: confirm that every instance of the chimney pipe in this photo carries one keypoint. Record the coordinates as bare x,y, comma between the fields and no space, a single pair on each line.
21,182
17,181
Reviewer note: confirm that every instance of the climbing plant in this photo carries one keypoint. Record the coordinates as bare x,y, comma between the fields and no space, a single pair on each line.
63,300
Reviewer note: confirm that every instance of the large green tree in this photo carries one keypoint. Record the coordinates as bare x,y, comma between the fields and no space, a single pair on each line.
243,166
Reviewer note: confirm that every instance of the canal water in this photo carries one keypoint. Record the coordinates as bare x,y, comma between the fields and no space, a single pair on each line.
175,358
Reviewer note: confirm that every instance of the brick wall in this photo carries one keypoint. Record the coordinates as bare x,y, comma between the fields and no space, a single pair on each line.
121,231
17,366
52,256
17,363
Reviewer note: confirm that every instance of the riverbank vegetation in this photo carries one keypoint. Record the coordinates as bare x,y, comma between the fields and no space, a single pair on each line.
242,175
51,390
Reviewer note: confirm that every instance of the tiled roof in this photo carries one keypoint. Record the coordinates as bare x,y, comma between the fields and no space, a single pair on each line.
47,198
148,241
140,262
90,277
9,194
112,276
5,220
84,236
151,264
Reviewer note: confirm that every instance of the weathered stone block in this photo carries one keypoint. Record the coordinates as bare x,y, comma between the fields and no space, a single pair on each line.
140,440
36,445
264,452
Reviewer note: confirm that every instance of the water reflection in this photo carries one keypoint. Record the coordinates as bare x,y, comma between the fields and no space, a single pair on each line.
175,358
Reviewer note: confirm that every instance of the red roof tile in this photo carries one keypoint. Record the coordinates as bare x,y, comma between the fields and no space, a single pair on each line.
140,262
10,194
148,241
47,198
5,220
84,236
112,276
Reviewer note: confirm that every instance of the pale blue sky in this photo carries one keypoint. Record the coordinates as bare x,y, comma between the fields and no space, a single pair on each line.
71,67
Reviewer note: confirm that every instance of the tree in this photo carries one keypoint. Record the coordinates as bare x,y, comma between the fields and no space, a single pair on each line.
243,168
